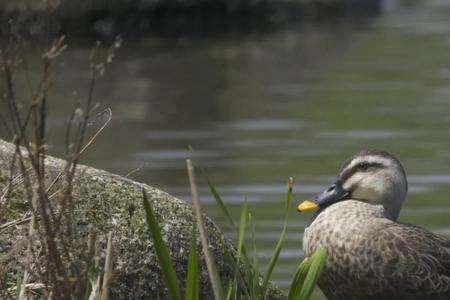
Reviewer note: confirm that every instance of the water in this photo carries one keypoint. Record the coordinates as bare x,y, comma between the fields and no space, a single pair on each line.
258,109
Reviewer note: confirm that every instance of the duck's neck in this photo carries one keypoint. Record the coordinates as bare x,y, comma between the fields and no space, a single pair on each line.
314,216
392,206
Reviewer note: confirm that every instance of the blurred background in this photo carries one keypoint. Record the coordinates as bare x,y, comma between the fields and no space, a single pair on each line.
254,91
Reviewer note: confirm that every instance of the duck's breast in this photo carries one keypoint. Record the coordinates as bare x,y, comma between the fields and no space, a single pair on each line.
345,232
343,227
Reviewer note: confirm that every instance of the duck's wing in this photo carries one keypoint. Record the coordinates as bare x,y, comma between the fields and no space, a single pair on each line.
415,255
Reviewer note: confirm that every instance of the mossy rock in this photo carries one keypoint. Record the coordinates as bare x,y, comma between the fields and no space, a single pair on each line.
106,202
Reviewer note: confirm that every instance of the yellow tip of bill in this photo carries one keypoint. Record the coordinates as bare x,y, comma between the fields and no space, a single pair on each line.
307,205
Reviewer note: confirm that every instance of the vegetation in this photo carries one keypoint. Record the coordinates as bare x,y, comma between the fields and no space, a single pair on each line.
49,205
246,282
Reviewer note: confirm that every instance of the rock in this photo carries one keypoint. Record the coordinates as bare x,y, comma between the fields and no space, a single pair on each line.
107,202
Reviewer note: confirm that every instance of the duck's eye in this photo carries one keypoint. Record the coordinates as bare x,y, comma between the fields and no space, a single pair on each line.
363,166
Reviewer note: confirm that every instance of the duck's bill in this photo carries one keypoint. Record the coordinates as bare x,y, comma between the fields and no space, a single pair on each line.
334,193
307,205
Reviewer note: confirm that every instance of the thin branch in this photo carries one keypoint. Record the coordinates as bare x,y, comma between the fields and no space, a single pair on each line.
84,148
26,218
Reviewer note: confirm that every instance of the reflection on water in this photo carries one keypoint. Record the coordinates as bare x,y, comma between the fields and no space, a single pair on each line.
258,109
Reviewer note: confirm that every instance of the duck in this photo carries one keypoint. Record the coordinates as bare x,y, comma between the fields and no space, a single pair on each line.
370,254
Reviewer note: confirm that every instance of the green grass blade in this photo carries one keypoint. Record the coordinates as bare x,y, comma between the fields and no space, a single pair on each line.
246,279
276,254
231,287
255,274
192,282
162,251
318,260
242,279
242,225
274,259
218,199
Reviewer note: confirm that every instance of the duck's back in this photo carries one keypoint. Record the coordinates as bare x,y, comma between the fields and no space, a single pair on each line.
371,257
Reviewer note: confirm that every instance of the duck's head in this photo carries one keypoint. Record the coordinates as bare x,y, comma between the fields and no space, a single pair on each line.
371,176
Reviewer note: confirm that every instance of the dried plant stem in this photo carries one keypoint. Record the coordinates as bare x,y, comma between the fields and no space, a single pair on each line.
4,197
108,268
63,275
210,265
22,293
30,286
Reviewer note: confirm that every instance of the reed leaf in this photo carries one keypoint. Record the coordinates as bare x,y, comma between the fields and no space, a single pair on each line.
218,199
305,279
162,251
299,279
318,262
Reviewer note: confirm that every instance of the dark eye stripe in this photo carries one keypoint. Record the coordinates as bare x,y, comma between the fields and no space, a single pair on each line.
363,166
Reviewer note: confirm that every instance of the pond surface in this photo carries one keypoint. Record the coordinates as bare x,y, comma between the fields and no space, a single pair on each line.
254,110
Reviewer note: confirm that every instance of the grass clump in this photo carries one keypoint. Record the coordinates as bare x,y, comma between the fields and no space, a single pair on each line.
246,281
